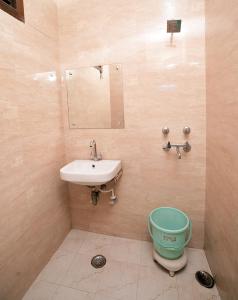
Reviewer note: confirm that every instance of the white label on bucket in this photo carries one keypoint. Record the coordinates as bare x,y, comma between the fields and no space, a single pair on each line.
169,238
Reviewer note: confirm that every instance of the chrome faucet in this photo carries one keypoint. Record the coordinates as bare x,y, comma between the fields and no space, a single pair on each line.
94,155
178,152
186,148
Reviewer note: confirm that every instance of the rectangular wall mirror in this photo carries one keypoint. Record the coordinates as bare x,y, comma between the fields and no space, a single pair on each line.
95,97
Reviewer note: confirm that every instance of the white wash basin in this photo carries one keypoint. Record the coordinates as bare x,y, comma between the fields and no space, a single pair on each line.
89,172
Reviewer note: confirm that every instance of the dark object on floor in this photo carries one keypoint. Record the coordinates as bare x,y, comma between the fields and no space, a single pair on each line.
98,261
205,279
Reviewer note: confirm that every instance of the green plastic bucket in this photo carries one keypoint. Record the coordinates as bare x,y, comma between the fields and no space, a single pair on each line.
170,230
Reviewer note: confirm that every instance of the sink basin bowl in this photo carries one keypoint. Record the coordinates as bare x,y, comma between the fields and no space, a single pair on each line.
89,172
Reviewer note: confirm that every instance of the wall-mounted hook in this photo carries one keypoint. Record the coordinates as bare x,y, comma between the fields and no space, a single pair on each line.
165,130
186,130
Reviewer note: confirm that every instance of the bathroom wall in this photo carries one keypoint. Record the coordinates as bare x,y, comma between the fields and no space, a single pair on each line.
164,85
222,144
34,216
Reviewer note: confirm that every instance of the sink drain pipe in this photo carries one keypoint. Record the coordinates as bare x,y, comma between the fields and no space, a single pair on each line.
95,195
113,197
96,190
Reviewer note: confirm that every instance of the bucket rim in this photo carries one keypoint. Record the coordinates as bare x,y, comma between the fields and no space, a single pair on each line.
169,230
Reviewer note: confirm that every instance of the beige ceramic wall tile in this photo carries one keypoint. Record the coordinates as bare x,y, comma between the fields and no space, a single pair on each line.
164,85
42,15
222,112
154,96
34,216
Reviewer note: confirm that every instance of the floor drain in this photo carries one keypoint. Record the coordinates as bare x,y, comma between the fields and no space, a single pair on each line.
205,279
98,261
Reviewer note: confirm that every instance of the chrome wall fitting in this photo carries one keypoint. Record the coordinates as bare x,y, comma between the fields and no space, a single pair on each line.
186,148
167,147
165,130
178,152
186,130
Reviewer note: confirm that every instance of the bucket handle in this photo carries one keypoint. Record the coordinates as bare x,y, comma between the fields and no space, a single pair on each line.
173,248
149,228
190,233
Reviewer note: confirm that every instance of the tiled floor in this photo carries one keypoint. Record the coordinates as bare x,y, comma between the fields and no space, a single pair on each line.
130,273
